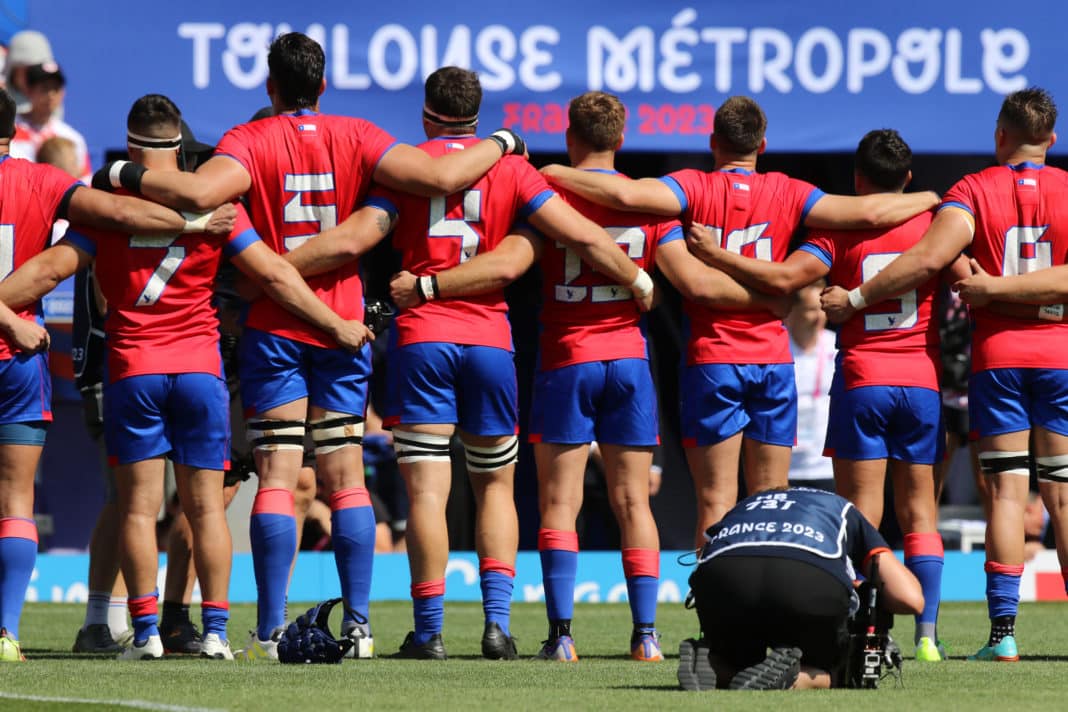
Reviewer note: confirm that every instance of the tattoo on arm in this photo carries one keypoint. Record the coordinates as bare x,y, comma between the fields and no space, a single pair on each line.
385,222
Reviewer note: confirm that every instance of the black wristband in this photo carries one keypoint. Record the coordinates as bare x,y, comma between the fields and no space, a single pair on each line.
130,176
434,286
419,290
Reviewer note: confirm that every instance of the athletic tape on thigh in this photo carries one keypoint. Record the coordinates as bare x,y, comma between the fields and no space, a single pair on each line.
275,435
494,457
420,447
1005,463
1052,469
336,430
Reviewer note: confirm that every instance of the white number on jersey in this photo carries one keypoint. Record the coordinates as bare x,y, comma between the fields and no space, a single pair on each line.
296,211
752,235
906,317
440,226
7,250
164,271
630,238
1026,251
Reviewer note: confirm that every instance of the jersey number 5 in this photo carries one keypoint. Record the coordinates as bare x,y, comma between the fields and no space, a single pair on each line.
164,271
296,211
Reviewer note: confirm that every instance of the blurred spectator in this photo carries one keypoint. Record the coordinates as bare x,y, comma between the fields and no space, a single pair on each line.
26,49
814,353
45,88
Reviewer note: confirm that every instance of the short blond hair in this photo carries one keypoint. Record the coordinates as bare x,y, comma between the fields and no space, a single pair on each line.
597,119
61,153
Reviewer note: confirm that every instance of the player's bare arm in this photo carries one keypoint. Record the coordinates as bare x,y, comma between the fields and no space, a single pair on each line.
645,195
219,180
282,283
1046,286
485,272
774,278
341,244
949,233
40,275
876,210
126,214
702,284
410,169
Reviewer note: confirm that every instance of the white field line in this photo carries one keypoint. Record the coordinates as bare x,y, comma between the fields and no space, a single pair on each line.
132,704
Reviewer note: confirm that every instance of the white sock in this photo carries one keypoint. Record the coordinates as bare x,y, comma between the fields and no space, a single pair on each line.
116,618
96,610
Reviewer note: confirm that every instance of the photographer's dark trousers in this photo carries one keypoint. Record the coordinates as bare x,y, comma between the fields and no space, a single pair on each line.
749,603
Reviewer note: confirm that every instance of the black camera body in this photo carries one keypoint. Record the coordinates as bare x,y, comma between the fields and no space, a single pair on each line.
871,650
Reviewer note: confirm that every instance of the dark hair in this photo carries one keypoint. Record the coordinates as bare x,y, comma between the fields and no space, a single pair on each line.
884,159
739,125
7,115
453,92
295,62
155,116
1030,113
597,120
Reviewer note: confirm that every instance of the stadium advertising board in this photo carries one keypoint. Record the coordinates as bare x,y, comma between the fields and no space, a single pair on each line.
826,71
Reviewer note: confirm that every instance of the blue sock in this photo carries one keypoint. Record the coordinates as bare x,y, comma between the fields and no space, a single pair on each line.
558,570
144,612
214,617
928,571
354,549
641,592
18,555
1002,594
428,609
497,598
274,543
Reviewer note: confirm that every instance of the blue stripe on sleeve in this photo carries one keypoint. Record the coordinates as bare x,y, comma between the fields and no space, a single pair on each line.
382,203
673,234
680,194
818,252
238,244
810,202
80,241
534,203
955,204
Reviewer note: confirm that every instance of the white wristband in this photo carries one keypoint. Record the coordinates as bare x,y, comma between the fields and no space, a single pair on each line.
115,172
1051,312
856,299
642,284
196,222
426,286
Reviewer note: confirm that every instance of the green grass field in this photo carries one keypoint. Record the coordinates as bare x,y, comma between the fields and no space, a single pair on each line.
603,679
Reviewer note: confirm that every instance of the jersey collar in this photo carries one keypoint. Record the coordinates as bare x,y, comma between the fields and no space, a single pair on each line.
742,171
1026,165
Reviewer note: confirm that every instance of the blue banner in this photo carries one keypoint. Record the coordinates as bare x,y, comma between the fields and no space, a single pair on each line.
826,71
62,578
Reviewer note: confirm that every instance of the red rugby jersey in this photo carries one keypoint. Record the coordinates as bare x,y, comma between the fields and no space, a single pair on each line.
160,317
438,233
754,214
893,343
1021,226
309,171
585,316
30,195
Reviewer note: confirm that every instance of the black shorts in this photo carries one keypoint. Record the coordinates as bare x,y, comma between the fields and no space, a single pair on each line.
747,604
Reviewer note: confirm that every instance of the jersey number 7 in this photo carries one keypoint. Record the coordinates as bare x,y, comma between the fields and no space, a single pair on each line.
164,271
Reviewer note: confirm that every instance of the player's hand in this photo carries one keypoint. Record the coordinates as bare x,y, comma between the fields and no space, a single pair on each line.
403,291
27,336
648,301
352,335
510,142
835,302
222,220
977,289
702,243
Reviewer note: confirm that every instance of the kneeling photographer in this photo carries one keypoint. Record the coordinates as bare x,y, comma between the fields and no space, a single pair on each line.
774,592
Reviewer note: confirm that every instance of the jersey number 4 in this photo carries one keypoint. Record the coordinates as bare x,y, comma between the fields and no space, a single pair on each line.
166,269
631,239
